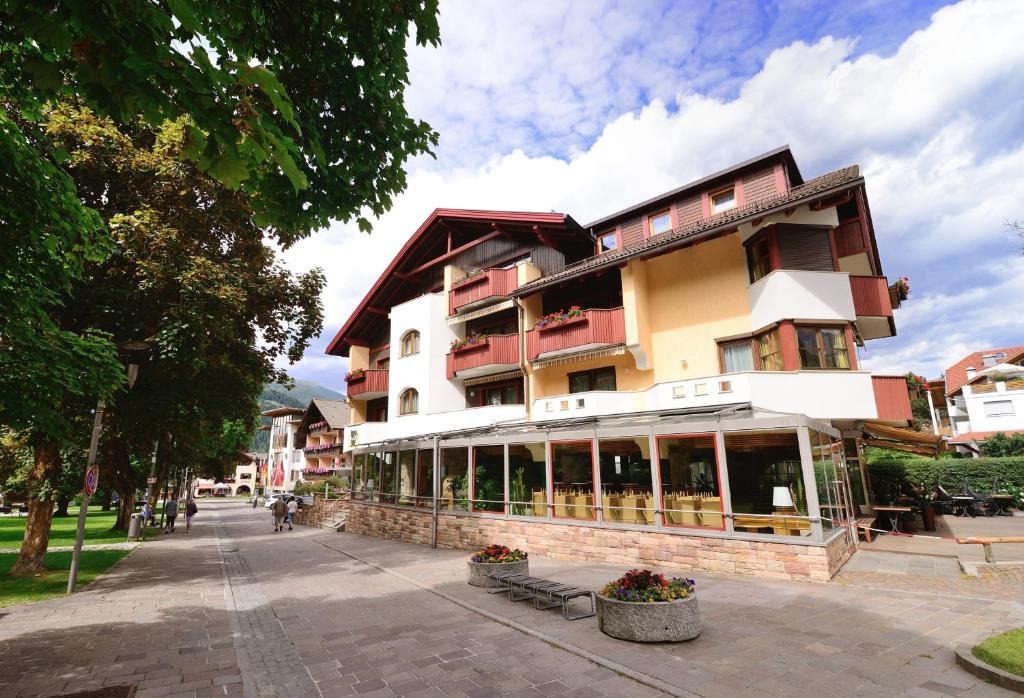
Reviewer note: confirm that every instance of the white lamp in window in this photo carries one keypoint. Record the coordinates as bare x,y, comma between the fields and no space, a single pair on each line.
782,498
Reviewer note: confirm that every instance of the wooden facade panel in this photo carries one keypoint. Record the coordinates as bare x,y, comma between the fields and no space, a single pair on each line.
632,232
851,238
498,250
547,259
597,326
871,296
892,398
807,250
371,381
759,186
499,349
689,211
490,284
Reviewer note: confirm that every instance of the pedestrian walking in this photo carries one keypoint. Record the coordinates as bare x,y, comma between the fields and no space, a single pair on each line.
171,512
279,509
190,512
293,506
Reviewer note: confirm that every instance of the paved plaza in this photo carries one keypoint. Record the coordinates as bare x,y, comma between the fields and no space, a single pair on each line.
236,609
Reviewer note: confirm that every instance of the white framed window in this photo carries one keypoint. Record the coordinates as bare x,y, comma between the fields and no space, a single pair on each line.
723,200
659,223
999,408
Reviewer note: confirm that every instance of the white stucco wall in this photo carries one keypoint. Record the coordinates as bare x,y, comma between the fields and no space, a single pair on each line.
976,410
811,295
424,371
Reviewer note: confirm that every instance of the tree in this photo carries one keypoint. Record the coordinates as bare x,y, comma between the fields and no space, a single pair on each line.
1003,445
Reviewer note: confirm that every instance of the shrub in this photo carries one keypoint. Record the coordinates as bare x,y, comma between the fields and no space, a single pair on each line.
893,475
303,488
498,553
1002,445
644,586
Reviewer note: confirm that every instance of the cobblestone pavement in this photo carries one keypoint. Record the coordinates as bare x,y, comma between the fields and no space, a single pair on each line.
236,609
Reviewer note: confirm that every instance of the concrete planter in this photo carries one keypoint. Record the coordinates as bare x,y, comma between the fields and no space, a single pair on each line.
476,572
663,621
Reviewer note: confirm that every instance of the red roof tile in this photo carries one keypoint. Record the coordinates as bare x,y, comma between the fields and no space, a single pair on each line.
956,375
969,436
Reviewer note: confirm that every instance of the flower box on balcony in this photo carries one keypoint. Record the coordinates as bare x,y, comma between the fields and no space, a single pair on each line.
471,342
474,278
467,347
559,324
355,375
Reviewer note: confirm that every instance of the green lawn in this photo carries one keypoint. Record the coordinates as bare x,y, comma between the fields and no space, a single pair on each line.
53,583
1005,651
62,530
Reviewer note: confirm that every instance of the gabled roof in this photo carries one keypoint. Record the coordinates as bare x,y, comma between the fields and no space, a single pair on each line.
282,411
538,222
817,188
781,153
956,375
336,413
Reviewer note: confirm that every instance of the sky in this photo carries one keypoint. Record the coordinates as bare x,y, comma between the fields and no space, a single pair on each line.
588,106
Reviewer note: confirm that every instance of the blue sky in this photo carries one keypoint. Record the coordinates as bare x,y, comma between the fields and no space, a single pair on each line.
587,107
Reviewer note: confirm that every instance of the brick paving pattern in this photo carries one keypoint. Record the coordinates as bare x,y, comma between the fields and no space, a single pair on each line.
257,613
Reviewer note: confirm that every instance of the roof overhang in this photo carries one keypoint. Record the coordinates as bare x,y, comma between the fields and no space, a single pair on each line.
900,439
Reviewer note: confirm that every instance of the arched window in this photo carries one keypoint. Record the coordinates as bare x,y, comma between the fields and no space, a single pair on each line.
409,402
410,343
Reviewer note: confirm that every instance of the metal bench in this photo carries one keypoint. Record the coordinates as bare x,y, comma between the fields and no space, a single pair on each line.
544,592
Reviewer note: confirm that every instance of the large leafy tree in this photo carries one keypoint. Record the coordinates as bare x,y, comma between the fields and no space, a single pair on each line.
189,270
299,107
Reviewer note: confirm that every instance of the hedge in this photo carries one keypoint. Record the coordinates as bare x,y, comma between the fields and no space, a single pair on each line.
948,472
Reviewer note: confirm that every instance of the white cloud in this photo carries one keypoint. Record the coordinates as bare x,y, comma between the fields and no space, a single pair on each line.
921,123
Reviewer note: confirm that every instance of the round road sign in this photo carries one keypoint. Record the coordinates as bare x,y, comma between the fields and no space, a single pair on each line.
92,480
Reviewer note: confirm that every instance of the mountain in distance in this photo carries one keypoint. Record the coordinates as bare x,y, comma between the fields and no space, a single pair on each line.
275,395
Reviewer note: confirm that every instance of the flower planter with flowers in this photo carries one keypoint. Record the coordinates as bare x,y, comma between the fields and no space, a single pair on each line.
472,342
902,287
355,375
495,558
642,606
561,318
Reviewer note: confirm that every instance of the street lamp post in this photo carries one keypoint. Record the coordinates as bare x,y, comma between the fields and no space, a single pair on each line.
132,353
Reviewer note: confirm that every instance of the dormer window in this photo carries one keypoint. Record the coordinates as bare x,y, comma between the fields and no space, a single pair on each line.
607,242
723,201
659,223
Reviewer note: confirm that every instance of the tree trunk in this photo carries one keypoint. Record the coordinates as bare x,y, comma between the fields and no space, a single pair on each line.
62,505
40,513
125,509
108,495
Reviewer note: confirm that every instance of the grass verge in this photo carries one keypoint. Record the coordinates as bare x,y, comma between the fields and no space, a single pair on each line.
1004,651
62,530
53,582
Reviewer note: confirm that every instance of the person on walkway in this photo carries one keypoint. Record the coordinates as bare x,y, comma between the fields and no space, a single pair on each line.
190,511
254,500
278,509
293,506
171,511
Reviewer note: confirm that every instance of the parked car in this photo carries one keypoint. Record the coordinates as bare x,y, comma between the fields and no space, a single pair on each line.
304,500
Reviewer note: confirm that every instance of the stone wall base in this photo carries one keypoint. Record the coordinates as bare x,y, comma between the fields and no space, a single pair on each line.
617,547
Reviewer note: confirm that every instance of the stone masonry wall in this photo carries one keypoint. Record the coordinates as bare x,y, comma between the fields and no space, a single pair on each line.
756,558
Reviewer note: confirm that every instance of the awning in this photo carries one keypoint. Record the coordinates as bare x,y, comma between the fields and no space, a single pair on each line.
460,318
900,439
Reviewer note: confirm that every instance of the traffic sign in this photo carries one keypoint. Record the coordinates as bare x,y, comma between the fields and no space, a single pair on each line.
92,480
150,480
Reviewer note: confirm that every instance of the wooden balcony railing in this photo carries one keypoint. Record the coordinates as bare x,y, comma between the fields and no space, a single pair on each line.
851,238
871,296
892,398
493,283
368,384
596,327
979,388
1015,384
496,350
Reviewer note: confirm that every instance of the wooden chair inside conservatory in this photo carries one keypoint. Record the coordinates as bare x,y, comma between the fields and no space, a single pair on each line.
447,496
540,503
711,512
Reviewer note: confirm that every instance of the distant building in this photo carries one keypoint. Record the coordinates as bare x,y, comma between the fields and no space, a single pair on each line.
322,431
284,455
985,396
242,482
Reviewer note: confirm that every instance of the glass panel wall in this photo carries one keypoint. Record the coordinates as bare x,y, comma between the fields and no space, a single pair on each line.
387,477
766,483
856,473
690,494
454,493
489,478
406,477
572,479
826,479
373,462
627,492
425,478
359,476
527,480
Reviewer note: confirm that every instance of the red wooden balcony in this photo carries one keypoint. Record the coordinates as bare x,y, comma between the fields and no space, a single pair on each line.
487,285
873,304
367,385
495,354
892,398
594,329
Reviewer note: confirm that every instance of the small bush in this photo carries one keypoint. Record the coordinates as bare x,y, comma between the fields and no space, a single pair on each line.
644,586
498,553
891,476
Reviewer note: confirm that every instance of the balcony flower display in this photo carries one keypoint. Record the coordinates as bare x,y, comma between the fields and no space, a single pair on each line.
469,341
492,558
559,317
318,426
643,606
902,287
354,375
321,448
